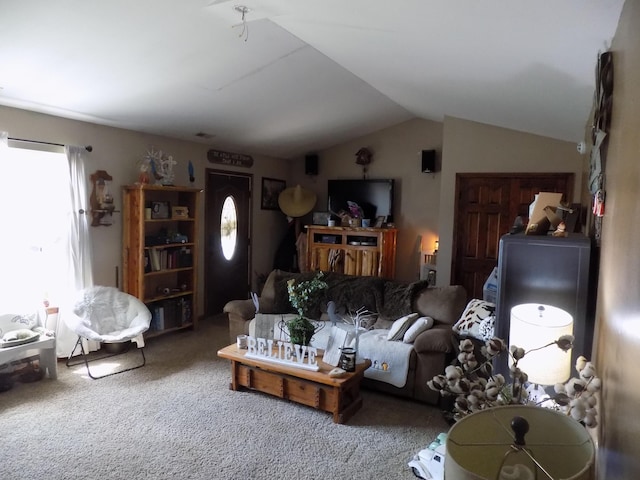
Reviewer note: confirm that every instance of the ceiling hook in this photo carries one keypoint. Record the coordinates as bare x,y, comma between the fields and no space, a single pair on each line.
243,10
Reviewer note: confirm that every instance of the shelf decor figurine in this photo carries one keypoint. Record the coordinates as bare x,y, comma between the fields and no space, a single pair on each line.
363,158
161,166
143,175
192,175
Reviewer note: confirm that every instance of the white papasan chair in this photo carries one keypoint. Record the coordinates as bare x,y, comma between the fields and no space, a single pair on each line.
107,315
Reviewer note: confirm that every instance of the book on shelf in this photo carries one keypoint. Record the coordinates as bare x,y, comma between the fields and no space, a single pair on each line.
147,262
184,258
154,256
157,318
167,259
171,313
185,311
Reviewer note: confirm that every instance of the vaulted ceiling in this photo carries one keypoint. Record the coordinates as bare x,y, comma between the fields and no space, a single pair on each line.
297,76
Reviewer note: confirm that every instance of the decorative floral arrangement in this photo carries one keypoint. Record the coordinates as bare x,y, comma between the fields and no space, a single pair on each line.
475,387
355,210
160,165
302,295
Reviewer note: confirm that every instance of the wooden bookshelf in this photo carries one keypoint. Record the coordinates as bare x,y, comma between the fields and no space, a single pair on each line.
160,253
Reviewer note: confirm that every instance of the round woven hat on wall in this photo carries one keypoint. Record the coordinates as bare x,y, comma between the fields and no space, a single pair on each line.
296,201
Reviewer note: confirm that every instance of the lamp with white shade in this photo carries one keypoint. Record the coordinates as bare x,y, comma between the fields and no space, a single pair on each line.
486,445
533,327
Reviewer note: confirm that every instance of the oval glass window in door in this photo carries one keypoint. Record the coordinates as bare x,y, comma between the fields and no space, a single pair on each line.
228,227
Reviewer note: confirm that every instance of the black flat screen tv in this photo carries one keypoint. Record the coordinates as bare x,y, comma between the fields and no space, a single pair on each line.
375,196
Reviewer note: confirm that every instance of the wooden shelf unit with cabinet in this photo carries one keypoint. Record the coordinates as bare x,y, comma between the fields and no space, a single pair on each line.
352,250
160,255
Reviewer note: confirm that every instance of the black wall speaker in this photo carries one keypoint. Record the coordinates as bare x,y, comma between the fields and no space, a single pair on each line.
311,164
428,161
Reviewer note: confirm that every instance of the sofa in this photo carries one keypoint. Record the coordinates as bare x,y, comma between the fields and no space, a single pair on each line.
389,300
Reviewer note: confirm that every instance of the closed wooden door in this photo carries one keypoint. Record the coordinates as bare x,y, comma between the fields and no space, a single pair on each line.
227,239
486,208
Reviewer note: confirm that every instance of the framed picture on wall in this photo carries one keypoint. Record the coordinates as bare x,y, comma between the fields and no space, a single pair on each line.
271,188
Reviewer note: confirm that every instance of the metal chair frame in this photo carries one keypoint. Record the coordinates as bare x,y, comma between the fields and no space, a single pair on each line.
102,357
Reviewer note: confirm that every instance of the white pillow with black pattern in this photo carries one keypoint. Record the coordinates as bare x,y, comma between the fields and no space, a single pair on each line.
400,326
474,313
487,328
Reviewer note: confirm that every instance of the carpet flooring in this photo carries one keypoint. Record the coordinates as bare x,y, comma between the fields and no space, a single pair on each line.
176,418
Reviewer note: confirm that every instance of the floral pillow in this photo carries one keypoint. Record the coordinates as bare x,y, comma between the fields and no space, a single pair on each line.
474,313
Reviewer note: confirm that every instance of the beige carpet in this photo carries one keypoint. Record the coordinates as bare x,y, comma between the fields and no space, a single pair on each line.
177,419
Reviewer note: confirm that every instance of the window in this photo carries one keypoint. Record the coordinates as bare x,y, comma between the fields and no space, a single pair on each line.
35,211
228,227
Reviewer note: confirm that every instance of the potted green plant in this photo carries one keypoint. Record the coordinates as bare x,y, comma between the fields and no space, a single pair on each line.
302,295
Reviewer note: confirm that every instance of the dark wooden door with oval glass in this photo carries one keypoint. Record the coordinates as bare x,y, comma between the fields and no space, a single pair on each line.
487,205
227,239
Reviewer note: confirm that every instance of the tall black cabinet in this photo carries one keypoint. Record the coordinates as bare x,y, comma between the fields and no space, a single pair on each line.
558,271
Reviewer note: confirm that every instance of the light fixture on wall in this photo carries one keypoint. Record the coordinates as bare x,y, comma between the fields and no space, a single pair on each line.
534,326
428,262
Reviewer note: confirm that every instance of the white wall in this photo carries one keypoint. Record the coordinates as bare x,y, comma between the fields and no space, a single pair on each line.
617,339
396,154
118,152
476,147
425,202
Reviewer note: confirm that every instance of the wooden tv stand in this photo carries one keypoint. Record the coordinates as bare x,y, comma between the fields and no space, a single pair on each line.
339,396
352,250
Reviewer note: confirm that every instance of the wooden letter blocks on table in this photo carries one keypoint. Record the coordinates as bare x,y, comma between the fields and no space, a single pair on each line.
339,396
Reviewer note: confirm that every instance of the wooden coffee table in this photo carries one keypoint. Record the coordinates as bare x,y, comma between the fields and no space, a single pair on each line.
339,396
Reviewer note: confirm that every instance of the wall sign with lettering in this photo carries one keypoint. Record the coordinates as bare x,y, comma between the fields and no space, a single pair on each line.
229,158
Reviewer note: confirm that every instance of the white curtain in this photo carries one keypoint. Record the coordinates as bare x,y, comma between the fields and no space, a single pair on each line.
80,242
46,245
80,272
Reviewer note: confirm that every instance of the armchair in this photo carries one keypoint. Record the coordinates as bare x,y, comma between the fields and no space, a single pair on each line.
105,314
